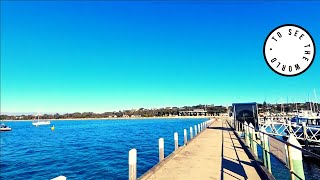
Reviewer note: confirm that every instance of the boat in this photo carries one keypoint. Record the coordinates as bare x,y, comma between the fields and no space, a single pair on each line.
312,121
38,122
3,127
309,117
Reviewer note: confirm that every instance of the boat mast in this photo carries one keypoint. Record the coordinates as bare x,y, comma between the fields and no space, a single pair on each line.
315,96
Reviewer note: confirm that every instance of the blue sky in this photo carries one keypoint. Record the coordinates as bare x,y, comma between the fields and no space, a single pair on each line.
104,56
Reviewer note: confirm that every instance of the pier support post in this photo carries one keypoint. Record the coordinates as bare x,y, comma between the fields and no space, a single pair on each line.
237,125
289,127
305,135
175,141
185,136
161,149
294,158
265,149
199,128
195,130
191,133
253,143
247,133
60,178
133,164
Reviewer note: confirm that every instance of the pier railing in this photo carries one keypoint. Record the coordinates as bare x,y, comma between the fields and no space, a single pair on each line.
194,132
301,132
289,152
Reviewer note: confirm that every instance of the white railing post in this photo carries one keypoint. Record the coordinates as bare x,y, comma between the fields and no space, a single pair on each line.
191,133
161,149
265,149
305,135
185,136
247,139
133,164
175,141
253,138
60,178
294,158
195,130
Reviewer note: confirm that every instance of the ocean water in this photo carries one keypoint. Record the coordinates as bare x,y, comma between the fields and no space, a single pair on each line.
85,149
98,149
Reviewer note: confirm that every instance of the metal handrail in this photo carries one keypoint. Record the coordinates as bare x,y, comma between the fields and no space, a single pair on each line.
311,130
287,144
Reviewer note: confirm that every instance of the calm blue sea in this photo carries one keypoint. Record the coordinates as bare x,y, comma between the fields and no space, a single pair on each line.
85,149
97,149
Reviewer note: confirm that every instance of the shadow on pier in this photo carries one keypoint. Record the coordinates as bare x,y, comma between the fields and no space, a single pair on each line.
231,165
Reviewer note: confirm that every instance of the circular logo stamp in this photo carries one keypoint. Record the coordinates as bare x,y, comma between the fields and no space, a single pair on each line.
289,50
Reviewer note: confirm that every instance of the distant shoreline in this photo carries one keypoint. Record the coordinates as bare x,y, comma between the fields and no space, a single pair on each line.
120,118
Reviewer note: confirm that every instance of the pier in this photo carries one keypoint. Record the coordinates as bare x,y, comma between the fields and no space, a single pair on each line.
215,153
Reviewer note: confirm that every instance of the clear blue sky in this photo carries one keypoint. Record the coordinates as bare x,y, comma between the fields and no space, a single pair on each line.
105,56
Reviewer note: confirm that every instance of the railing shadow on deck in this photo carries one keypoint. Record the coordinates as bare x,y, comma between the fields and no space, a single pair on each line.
220,128
226,164
233,167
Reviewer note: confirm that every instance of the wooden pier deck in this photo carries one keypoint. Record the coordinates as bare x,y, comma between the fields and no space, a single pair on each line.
216,153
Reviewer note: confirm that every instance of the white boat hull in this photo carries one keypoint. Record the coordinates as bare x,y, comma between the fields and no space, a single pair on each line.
41,123
5,129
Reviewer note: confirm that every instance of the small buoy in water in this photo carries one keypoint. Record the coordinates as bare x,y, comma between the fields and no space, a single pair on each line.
52,128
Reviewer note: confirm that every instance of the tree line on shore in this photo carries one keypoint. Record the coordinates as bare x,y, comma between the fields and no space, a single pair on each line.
142,112
169,111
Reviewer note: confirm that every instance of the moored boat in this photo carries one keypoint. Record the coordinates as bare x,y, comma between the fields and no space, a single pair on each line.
3,127
38,122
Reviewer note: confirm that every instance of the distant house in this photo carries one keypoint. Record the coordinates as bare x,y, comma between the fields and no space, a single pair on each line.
195,112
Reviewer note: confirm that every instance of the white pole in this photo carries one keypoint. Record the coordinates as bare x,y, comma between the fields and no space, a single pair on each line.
191,133
253,138
295,158
195,130
185,136
175,141
161,149
246,130
133,164
60,178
